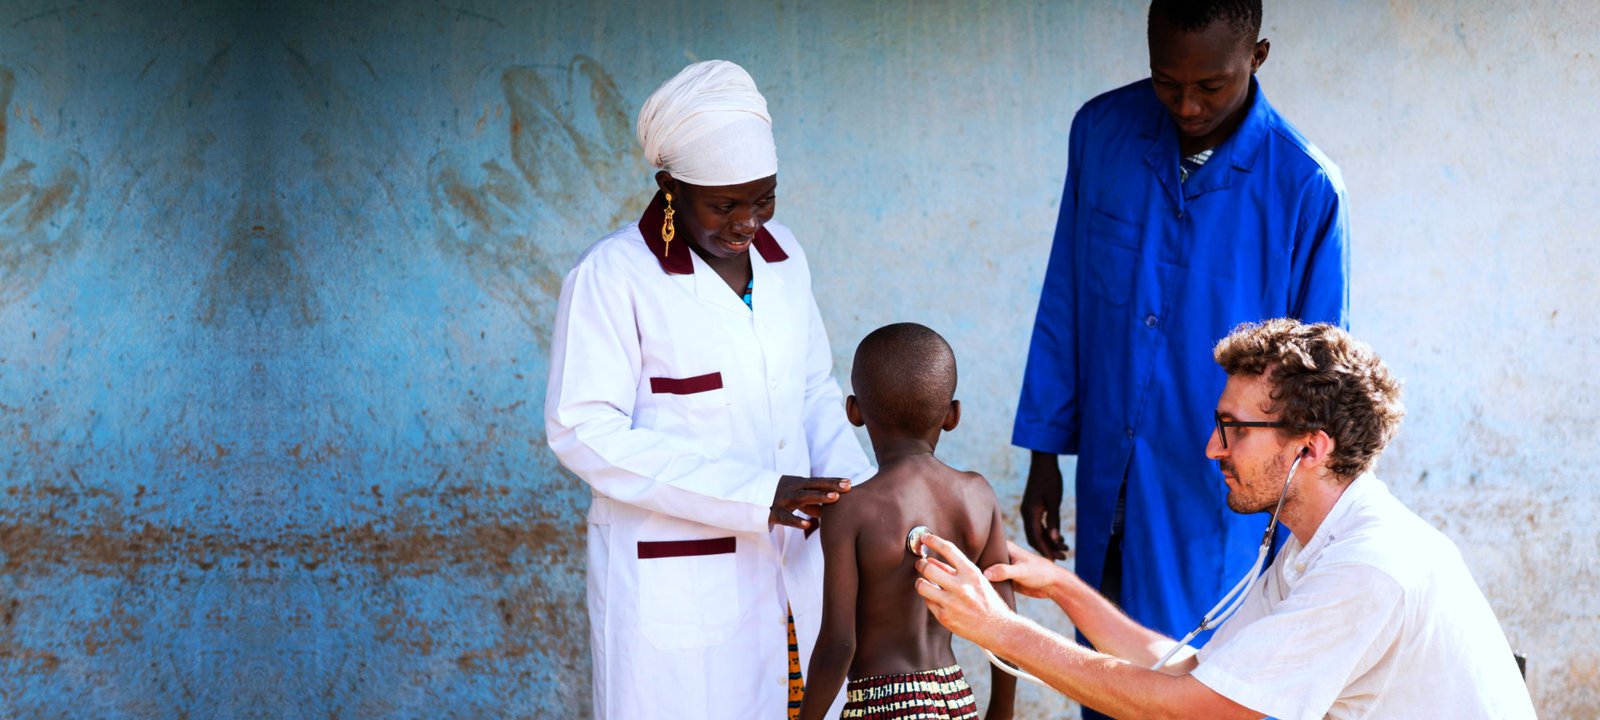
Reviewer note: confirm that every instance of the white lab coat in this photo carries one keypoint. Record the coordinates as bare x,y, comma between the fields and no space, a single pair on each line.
687,585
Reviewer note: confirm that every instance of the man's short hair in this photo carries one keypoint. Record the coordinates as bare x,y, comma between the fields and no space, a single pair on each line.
1244,16
1322,379
904,377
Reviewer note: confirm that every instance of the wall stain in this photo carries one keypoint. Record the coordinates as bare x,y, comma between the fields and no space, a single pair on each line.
164,149
259,270
340,172
353,149
16,658
575,175
565,154
41,210
8,83
509,539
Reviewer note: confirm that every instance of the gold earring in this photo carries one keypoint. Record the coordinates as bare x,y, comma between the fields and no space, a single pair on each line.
667,231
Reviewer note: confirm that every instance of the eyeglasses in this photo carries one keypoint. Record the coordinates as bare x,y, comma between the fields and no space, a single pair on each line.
1223,425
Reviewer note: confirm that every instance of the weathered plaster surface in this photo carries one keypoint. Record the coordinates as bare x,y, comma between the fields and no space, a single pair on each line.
276,287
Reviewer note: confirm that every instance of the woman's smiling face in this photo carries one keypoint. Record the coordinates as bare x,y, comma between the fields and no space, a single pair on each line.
721,221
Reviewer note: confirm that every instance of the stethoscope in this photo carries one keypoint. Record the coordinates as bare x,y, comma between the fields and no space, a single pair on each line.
1230,603
915,546
1225,608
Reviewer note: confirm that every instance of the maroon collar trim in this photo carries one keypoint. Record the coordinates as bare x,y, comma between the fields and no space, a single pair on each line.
677,260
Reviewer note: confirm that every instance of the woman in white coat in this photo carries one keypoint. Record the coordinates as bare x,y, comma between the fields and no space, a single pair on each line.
691,387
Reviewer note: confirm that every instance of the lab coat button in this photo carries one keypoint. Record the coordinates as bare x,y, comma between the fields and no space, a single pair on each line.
1150,321
781,444
1130,432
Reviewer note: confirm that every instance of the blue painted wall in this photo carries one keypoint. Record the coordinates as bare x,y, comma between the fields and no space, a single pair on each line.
276,283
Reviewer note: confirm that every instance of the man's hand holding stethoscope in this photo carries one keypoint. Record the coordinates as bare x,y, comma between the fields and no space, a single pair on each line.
807,495
958,594
962,599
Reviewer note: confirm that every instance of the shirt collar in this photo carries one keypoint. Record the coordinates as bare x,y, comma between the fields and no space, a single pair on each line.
1364,484
1243,146
1239,150
678,259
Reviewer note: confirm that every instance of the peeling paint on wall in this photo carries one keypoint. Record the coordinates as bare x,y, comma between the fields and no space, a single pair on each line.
276,286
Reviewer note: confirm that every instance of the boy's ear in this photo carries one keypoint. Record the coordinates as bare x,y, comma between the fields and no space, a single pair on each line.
852,411
953,417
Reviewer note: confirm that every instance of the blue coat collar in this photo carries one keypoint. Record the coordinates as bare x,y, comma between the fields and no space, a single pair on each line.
1239,151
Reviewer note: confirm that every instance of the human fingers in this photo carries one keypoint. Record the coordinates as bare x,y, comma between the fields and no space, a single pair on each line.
933,595
794,489
1055,548
1020,554
805,497
1033,523
951,554
789,519
827,483
1023,578
943,567
1001,572
1023,562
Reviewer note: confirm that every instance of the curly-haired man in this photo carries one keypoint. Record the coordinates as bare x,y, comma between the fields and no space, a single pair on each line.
1367,611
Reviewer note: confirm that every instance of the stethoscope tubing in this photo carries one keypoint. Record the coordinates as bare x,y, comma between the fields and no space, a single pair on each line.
1230,603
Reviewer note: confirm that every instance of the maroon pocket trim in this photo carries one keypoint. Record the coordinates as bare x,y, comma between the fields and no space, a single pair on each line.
685,548
686,386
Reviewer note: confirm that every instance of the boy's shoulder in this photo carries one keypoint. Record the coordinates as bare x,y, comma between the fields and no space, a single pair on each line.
901,485
898,477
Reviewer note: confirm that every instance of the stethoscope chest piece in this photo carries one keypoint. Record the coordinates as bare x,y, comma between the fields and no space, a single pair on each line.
914,541
915,547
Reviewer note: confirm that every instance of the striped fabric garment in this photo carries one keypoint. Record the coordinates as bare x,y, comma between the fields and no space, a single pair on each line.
1190,163
933,695
797,687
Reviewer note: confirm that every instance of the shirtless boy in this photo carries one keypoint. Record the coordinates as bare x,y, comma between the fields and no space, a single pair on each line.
874,625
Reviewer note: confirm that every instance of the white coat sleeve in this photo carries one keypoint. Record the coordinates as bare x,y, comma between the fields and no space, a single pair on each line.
835,451
595,367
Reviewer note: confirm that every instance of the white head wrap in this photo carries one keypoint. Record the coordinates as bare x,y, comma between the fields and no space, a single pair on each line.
709,126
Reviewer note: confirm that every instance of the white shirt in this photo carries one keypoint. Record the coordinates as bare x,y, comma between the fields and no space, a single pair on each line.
681,407
1375,617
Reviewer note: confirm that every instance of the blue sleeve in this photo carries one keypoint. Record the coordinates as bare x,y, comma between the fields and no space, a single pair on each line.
1320,280
1047,413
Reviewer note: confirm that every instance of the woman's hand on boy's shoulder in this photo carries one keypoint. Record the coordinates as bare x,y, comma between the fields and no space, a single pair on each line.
807,495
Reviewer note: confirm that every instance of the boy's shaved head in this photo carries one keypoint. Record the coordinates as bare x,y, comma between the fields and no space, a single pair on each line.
904,378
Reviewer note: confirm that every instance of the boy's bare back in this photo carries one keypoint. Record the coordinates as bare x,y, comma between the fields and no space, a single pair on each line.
866,537
874,624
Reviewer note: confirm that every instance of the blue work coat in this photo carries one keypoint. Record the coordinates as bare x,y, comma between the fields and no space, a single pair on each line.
1145,276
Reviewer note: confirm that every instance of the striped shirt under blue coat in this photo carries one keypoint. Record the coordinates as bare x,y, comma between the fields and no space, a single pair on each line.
1146,273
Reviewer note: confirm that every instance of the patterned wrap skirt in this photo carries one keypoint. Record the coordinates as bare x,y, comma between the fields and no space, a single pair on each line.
932,695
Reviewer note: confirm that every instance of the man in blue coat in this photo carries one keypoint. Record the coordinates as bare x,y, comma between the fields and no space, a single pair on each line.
1190,206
